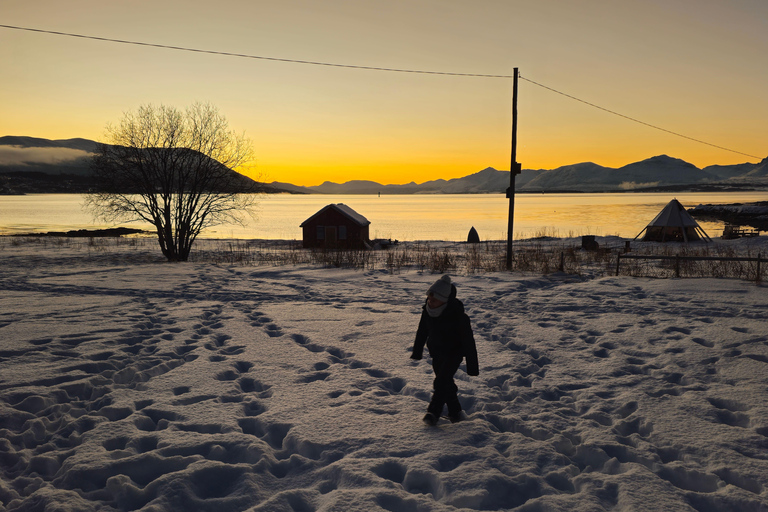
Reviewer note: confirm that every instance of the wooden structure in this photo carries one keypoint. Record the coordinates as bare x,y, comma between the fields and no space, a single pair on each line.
514,169
673,224
588,243
732,231
336,226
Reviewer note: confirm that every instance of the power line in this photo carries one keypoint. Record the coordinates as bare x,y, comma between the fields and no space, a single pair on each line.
636,120
246,56
370,68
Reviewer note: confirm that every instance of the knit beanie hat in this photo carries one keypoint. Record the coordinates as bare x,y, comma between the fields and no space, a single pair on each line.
441,289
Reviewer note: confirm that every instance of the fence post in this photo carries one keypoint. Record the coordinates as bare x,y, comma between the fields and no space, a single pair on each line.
562,262
618,262
677,265
759,277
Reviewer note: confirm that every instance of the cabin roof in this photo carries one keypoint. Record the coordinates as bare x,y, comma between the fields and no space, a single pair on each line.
344,210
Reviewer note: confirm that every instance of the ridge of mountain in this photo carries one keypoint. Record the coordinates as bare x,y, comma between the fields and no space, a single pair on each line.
759,171
657,172
34,165
35,142
24,157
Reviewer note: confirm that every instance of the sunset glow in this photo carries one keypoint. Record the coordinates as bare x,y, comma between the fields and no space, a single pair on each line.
695,68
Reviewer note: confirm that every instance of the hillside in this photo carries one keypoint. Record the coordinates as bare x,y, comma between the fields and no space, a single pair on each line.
29,164
657,173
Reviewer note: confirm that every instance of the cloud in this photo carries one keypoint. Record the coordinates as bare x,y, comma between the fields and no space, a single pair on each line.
631,185
16,155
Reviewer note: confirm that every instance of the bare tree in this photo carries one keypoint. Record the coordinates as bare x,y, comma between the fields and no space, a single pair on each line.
174,170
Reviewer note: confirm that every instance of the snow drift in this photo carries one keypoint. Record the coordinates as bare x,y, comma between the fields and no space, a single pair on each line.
132,384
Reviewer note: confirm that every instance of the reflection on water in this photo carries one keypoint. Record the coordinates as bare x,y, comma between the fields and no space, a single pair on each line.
405,217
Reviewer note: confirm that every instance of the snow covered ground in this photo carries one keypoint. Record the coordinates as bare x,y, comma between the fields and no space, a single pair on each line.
127,383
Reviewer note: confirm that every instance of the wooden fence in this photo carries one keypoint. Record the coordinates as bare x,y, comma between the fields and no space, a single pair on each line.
686,266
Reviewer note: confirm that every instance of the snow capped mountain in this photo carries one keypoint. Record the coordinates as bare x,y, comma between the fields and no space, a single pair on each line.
588,176
662,169
56,157
725,172
487,180
583,176
759,171
658,171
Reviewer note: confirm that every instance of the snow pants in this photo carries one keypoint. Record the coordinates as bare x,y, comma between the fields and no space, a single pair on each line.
444,388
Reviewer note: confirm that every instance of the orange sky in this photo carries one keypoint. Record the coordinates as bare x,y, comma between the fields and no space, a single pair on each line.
696,67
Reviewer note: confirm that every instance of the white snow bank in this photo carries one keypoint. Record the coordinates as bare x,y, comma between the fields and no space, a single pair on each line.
132,384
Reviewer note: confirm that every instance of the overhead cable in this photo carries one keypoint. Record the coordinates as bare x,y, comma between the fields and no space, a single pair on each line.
370,68
247,56
635,120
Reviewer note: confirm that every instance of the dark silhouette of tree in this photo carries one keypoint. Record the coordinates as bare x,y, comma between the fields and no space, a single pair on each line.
174,170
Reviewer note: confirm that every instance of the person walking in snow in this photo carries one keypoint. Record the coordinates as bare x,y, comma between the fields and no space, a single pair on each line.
446,330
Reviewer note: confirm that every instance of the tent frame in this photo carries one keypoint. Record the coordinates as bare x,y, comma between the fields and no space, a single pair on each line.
673,224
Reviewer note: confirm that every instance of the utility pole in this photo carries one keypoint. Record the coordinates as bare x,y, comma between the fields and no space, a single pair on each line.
514,169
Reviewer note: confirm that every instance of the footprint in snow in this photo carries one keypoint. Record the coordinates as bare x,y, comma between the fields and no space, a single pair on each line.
273,330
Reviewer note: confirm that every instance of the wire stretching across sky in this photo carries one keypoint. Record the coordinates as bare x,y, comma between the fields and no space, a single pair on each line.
246,56
636,120
370,68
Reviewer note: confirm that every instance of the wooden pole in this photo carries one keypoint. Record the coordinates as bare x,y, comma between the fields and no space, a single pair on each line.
514,170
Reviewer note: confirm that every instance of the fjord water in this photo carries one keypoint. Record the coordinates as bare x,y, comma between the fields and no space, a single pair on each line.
404,217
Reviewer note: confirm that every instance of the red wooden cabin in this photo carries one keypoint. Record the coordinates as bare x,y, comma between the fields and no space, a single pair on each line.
336,226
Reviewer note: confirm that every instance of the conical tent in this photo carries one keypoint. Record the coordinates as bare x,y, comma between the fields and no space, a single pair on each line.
673,224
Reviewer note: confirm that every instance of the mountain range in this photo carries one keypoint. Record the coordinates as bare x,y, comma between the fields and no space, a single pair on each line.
658,173
44,165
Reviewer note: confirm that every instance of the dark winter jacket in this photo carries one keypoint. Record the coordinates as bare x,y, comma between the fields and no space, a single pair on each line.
449,334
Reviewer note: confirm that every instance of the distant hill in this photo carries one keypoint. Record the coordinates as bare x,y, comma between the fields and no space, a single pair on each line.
590,177
54,157
32,164
759,171
487,181
86,145
725,172
656,173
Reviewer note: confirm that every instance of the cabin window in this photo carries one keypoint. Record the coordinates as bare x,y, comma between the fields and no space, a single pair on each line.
321,232
342,232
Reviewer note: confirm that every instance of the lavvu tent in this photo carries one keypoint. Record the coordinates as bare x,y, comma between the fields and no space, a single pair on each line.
673,224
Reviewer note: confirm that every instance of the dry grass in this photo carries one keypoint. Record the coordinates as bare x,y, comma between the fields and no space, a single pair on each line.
542,255
537,256
716,261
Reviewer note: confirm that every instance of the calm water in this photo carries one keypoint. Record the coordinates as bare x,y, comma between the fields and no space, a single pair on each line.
405,217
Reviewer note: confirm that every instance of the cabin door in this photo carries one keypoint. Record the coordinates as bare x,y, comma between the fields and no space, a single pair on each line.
331,237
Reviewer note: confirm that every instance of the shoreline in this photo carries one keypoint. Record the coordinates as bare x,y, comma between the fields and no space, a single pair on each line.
700,188
82,233
402,217
754,214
